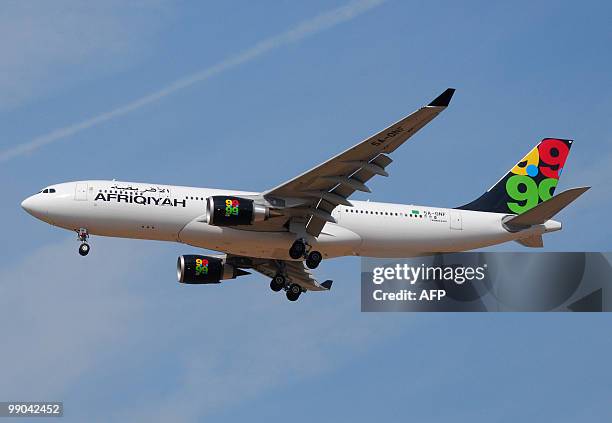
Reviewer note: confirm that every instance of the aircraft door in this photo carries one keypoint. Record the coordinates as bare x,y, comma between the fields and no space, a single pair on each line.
80,192
455,220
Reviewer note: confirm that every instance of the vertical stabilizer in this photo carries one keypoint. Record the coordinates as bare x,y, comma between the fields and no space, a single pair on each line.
530,182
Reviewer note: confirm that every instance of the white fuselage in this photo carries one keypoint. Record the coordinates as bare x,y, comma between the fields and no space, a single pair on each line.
175,213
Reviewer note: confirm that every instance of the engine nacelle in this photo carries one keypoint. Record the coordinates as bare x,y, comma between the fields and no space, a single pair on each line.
194,269
222,210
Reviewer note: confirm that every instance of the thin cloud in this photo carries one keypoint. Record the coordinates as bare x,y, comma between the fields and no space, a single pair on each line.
304,29
75,313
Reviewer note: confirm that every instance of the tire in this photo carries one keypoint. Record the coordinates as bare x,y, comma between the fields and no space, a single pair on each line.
315,256
292,295
297,250
311,264
277,283
84,249
314,259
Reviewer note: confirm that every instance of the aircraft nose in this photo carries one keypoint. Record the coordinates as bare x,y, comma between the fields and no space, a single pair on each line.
34,206
27,204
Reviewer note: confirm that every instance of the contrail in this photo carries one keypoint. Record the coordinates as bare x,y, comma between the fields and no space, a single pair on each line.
304,29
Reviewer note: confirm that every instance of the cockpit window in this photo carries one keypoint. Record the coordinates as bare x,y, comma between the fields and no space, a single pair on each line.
51,190
45,191
48,191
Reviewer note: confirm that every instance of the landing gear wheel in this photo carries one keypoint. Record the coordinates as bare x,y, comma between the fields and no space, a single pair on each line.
297,250
294,291
82,235
84,249
313,259
277,283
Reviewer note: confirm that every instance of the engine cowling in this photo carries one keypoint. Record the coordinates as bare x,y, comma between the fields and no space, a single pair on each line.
193,269
222,210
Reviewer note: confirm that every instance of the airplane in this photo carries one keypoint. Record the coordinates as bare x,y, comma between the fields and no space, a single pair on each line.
286,231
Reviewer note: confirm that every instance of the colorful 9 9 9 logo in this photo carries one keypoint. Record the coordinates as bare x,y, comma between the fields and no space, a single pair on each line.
201,267
232,207
535,177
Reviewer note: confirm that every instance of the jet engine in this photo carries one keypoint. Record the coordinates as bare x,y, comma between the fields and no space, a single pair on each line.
192,269
224,210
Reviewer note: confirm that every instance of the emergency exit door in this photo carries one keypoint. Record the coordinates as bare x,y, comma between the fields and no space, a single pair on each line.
455,220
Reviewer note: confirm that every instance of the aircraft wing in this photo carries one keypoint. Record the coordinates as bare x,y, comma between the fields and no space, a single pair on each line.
294,271
332,182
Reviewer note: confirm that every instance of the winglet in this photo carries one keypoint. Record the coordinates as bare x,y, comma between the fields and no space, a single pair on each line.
327,284
443,99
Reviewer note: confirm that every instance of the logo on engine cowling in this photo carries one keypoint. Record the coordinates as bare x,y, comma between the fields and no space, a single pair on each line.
201,267
232,207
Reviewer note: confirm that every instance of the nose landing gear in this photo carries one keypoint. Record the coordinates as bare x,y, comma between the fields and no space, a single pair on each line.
84,247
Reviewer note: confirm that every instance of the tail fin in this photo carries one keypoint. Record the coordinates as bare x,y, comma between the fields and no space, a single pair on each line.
530,182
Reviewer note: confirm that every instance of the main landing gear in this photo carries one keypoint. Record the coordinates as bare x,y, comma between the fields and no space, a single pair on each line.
313,259
279,282
293,292
299,250
84,247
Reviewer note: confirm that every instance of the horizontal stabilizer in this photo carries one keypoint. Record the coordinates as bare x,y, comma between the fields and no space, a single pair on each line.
533,241
546,210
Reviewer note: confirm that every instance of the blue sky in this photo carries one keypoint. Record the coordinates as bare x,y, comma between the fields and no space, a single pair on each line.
115,337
